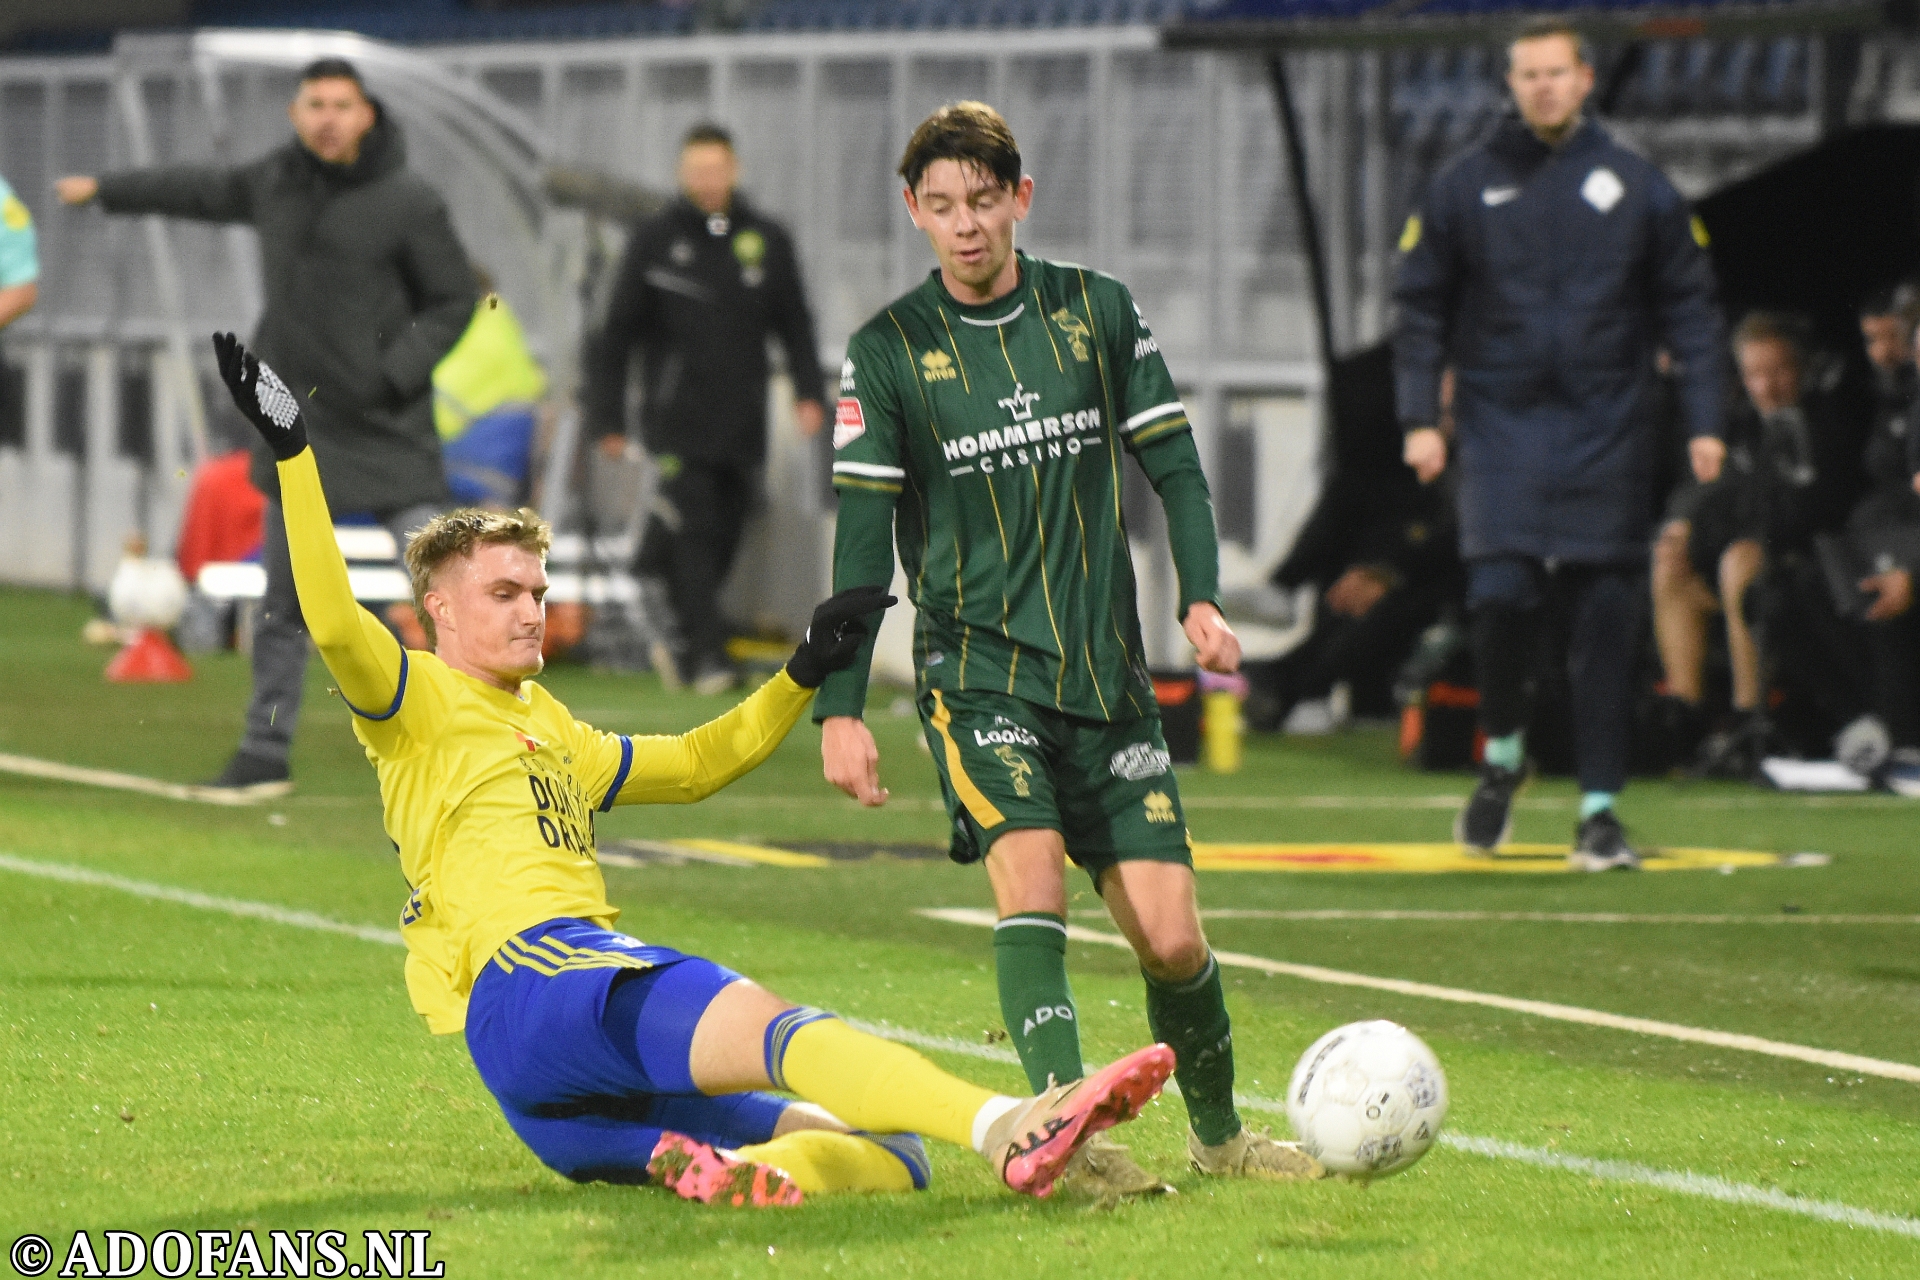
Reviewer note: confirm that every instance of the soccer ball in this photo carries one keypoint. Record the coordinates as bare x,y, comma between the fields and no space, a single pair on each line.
1367,1099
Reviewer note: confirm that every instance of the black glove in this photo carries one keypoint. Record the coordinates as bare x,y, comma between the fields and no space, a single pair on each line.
262,397
835,634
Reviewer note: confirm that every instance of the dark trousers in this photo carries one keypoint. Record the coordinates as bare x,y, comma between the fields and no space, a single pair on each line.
1895,645
692,537
1606,607
280,636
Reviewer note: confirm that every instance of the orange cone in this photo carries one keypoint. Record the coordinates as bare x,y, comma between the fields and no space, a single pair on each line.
149,658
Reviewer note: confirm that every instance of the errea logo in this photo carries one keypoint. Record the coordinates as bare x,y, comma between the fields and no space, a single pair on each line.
1159,807
937,366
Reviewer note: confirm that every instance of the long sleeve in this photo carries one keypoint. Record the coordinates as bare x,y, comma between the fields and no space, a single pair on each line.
365,660
440,284
793,319
185,191
1690,320
862,556
683,768
1172,464
1426,287
629,314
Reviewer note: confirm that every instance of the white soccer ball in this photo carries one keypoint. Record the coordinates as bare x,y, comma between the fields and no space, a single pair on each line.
1367,1099
146,593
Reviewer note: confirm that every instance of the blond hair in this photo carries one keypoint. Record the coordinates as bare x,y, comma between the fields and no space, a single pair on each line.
458,533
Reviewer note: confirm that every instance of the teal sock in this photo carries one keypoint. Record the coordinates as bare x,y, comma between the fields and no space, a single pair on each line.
1506,751
1191,1018
1030,962
1593,802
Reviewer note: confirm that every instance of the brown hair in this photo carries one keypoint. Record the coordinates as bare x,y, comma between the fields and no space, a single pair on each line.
1770,326
458,533
1544,28
971,132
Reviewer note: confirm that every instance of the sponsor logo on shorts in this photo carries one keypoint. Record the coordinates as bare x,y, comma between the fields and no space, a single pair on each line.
1159,807
1139,762
1019,772
1007,733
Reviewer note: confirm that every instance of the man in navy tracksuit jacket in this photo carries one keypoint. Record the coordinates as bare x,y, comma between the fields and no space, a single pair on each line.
1549,266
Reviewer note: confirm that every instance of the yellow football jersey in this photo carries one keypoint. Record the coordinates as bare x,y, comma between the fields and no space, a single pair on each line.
490,795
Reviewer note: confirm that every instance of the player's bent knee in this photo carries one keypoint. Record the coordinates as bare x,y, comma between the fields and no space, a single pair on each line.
1175,958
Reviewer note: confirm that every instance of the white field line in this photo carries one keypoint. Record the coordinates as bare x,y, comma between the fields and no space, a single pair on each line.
57,771
1535,1008
203,901
54,770
1700,1186
1534,917
1690,1184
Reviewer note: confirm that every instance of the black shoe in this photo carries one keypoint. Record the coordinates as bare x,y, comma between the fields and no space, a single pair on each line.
1487,821
1736,754
250,777
1600,844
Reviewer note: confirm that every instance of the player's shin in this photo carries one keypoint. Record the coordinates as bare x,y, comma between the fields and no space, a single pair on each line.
1030,964
872,1083
819,1160
1191,1017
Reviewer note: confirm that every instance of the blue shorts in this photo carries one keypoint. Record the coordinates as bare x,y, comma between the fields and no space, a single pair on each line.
582,1036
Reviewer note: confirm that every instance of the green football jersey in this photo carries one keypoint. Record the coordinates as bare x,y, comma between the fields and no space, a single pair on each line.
1000,427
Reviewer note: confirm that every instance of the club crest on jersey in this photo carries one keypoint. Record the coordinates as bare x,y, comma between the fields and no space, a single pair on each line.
1077,333
1020,403
849,424
937,366
531,744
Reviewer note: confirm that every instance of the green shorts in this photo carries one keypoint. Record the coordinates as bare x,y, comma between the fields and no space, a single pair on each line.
1008,765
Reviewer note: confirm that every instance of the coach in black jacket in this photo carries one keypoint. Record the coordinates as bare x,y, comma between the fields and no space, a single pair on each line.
700,287
366,289
1548,266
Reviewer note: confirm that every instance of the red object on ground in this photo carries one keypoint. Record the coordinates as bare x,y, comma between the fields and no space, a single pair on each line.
225,515
149,658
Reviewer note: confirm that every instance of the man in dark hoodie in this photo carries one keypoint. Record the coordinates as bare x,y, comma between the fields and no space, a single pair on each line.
367,287
701,286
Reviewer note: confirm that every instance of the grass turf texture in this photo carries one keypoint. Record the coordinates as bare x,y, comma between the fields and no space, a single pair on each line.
169,1067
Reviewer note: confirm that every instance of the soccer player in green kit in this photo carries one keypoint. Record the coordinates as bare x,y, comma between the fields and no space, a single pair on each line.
980,424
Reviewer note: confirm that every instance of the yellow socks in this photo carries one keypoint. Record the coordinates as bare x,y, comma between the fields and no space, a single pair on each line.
870,1083
819,1160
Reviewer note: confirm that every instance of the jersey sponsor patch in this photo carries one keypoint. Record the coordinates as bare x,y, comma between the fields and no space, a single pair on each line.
1005,733
1603,189
848,423
1138,762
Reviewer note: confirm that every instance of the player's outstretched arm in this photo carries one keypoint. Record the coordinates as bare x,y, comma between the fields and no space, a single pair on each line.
692,766
365,659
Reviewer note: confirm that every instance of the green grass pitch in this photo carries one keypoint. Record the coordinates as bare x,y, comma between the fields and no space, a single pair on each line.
169,1066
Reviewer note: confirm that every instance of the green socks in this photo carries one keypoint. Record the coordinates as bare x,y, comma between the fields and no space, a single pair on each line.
1030,961
1191,1018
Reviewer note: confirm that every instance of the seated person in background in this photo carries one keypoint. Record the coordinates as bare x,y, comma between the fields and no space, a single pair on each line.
1719,536
1385,545
486,395
1883,530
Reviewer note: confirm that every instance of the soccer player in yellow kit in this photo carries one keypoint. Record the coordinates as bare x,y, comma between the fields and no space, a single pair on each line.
612,1059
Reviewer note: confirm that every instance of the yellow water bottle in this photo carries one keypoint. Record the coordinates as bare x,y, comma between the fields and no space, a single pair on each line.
1222,727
